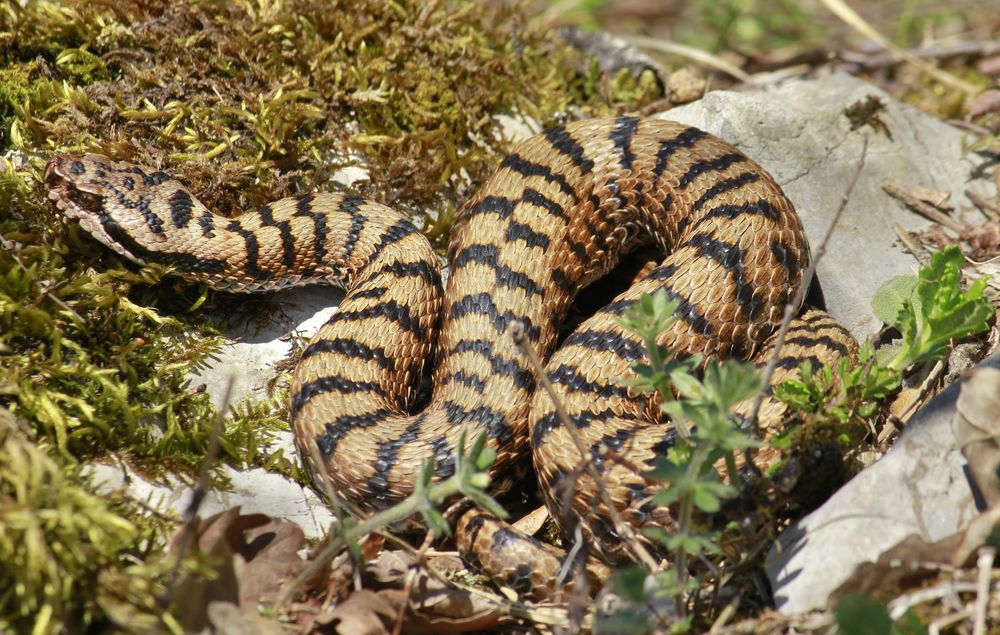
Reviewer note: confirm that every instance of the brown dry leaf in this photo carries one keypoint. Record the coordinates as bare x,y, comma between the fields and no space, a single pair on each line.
436,606
929,195
984,239
390,567
364,613
976,426
444,608
986,102
252,555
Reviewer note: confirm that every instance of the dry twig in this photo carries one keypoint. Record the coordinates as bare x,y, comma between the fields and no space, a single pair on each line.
924,209
689,52
793,306
855,21
991,210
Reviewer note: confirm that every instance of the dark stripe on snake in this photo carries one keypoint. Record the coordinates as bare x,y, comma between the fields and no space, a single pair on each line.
516,163
520,231
339,427
574,381
488,256
613,341
566,145
351,205
709,165
730,256
621,136
482,304
668,147
332,383
349,348
180,204
724,186
390,310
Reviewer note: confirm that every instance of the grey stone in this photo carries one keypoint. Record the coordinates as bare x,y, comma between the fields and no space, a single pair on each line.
918,487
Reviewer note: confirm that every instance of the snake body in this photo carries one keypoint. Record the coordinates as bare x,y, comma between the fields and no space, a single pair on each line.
558,213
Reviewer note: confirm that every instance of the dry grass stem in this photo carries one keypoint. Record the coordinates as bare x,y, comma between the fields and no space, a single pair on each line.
198,494
623,529
855,21
908,241
691,53
991,210
983,579
793,306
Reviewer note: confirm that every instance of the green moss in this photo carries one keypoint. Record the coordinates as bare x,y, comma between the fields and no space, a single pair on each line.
246,102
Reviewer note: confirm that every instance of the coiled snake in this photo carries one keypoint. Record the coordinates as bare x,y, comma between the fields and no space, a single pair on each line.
558,213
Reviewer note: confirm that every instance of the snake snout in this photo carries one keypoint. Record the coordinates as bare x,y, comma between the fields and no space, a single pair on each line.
61,175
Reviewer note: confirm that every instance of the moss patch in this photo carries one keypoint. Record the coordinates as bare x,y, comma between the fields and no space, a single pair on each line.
246,102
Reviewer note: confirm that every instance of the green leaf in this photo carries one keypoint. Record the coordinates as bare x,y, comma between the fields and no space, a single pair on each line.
628,582
891,297
861,615
688,386
729,383
941,311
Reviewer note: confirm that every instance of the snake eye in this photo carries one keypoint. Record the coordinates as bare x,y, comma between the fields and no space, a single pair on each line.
89,201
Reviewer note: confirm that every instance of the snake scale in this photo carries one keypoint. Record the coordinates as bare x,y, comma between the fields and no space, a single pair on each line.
558,213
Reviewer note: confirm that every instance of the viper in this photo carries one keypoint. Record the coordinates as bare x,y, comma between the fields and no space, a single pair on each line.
558,213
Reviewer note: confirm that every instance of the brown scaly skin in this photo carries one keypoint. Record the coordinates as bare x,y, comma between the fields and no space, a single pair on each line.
558,213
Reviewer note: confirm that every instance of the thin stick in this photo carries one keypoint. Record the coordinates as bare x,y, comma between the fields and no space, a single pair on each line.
332,547
927,211
198,494
411,576
985,566
623,529
800,294
907,239
990,209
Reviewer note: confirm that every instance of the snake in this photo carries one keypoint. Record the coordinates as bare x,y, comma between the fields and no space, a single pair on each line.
557,214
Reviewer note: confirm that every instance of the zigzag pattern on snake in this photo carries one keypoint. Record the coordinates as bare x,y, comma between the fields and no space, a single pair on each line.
558,213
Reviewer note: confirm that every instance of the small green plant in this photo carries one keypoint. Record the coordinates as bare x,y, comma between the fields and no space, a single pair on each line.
860,615
929,310
707,434
471,480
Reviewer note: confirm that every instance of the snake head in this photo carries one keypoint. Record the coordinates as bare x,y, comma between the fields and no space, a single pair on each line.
81,188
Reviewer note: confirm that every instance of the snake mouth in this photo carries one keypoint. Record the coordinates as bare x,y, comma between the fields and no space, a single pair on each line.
64,176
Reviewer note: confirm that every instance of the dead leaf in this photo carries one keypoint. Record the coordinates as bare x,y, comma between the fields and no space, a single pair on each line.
364,613
986,102
390,567
984,239
229,619
253,556
976,426
929,195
